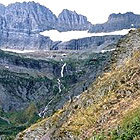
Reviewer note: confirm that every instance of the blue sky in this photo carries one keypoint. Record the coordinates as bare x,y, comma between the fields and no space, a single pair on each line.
97,11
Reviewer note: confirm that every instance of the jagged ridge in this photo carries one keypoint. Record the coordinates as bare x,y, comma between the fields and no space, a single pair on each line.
117,22
32,17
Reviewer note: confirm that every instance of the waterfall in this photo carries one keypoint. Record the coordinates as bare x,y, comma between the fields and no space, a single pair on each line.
42,113
62,70
59,85
62,75
103,51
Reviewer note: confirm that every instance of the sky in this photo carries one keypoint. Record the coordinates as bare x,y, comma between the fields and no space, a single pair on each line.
97,11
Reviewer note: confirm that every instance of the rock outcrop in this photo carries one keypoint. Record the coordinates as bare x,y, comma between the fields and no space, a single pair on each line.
28,17
21,23
117,22
69,20
24,41
32,17
97,43
23,80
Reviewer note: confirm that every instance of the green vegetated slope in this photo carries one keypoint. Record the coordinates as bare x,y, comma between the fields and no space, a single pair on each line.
13,122
24,89
108,109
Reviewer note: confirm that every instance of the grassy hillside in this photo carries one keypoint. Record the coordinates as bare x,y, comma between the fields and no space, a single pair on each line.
13,122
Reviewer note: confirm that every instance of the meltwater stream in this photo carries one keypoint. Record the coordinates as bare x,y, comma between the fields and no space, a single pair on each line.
62,75
62,70
59,85
43,113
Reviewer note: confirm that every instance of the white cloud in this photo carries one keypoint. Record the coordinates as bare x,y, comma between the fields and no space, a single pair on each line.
97,11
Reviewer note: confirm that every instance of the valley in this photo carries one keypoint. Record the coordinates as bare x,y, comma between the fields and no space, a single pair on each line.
31,80
108,109
64,78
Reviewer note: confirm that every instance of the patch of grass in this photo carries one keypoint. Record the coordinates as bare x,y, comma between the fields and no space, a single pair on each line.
129,129
19,121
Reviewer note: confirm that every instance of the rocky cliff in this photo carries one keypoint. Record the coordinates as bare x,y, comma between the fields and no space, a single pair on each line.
32,17
24,41
28,17
109,109
21,23
69,20
117,22
96,43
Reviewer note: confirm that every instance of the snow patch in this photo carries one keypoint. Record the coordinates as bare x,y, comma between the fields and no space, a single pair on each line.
18,51
66,36
7,67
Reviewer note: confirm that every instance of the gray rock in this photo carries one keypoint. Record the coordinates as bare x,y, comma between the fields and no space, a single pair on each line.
24,41
97,43
118,22
20,24
32,17
28,17
70,20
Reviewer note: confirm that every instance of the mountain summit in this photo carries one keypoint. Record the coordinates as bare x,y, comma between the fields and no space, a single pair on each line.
33,17
117,22
70,20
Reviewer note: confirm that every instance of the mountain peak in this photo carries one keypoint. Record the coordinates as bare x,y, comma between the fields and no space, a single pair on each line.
34,17
73,20
118,22
114,15
68,12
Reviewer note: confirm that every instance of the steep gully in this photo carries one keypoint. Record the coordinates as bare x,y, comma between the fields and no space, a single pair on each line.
43,113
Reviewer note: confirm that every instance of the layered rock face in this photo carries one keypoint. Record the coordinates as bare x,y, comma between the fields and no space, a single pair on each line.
26,17
21,23
32,17
23,80
118,22
97,43
69,20
24,41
